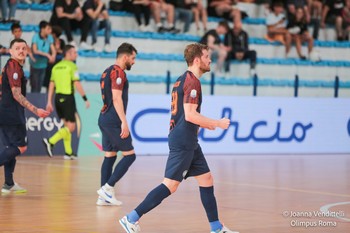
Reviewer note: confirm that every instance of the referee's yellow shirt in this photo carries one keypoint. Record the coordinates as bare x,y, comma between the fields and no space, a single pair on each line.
64,73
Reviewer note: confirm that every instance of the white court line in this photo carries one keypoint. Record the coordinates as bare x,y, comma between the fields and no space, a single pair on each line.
326,208
220,182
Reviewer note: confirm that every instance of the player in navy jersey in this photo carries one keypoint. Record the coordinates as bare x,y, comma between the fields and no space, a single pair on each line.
12,120
113,124
185,157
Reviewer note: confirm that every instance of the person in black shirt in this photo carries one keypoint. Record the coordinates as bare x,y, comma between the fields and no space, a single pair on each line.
216,44
68,15
297,27
238,42
331,14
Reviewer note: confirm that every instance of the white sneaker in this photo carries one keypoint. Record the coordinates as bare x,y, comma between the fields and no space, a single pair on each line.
97,48
85,46
14,188
107,193
224,230
148,28
142,28
102,202
128,226
108,48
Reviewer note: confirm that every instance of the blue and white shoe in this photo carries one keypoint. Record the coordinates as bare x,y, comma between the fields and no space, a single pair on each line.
224,230
107,193
128,226
102,202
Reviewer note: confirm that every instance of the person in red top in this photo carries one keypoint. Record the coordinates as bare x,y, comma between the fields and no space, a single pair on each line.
13,132
186,158
113,124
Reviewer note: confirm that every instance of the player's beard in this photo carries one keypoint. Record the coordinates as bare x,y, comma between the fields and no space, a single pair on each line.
128,66
204,68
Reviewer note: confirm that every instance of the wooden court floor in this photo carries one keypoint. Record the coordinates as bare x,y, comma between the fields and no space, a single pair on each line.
255,194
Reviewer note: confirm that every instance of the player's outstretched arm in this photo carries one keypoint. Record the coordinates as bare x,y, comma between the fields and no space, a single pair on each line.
17,95
195,117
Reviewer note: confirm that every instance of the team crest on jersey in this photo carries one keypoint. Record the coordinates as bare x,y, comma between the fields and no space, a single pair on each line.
193,93
119,81
15,76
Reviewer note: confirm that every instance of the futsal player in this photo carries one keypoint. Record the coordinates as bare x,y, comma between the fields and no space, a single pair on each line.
64,79
13,133
186,157
113,124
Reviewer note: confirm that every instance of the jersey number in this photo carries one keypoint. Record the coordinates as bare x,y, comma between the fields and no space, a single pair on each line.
174,99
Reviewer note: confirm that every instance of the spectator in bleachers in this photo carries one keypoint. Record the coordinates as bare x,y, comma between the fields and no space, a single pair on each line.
8,11
315,11
182,12
213,39
297,26
142,7
16,31
3,50
158,7
237,40
346,18
276,23
332,15
199,9
44,52
59,47
69,16
96,15
226,9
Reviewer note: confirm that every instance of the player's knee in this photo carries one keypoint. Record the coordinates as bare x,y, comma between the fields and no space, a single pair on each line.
172,185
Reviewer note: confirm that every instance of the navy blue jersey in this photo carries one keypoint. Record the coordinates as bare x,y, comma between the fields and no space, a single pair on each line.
113,78
187,89
11,112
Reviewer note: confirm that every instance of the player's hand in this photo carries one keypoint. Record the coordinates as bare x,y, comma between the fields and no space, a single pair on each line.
42,112
224,123
49,107
125,130
87,104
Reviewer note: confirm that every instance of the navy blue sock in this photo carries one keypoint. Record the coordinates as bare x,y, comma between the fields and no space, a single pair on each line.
121,168
106,169
9,168
209,203
9,153
153,199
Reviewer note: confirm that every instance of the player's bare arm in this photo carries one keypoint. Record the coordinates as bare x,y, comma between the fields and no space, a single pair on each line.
17,95
119,107
195,117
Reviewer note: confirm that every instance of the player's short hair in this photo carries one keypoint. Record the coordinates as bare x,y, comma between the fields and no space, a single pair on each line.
17,41
15,26
67,48
194,50
126,48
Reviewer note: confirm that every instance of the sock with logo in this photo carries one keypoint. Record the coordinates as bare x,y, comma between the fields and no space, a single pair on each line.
9,153
107,168
121,168
9,168
210,206
152,200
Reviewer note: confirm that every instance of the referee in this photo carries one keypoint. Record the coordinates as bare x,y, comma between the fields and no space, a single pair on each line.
64,78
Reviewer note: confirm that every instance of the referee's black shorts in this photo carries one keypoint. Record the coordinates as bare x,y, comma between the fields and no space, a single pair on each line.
65,107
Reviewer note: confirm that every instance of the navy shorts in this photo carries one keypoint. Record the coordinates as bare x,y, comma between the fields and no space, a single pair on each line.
185,163
13,135
111,140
